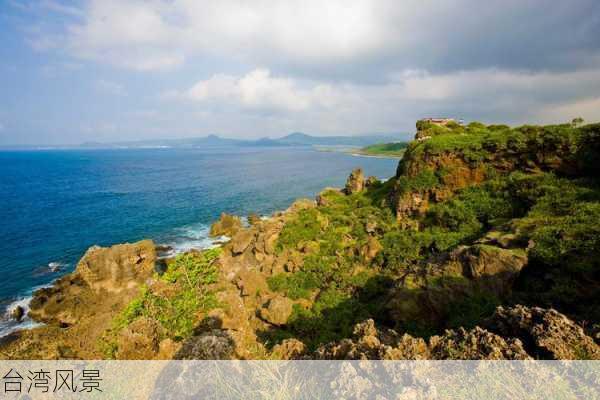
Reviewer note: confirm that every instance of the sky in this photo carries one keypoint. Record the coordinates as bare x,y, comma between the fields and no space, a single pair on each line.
112,70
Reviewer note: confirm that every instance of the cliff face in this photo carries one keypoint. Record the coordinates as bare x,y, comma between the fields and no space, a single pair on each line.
79,307
484,245
441,163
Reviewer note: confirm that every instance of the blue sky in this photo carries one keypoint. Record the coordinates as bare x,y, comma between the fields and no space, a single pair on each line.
108,70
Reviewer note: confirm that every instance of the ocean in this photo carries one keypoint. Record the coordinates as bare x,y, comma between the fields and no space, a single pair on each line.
55,204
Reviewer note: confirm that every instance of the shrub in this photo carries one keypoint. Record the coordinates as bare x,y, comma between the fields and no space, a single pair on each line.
191,273
295,286
305,227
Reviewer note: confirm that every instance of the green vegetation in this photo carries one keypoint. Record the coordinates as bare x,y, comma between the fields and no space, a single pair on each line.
176,309
477,141
385,149
547,199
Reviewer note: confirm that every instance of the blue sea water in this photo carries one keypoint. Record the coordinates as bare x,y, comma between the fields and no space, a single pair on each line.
56,204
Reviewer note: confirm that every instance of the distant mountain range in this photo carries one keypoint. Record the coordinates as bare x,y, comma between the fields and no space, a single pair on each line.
293,139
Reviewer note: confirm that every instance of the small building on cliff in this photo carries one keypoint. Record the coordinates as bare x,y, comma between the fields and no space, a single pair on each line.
441,121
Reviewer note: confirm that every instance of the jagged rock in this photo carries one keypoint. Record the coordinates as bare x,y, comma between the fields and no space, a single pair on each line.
241,241
290,349
18,313
499,267
227,225
213,345
371,181
251,282
277,311
476,344
118,267
118,270
140,340
355,182
80,307
370,343
253,218
545,333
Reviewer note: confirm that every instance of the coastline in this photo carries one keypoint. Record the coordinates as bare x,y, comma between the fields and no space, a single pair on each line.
356,152
189,240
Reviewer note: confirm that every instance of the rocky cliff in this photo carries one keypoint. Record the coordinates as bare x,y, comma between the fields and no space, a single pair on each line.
482,246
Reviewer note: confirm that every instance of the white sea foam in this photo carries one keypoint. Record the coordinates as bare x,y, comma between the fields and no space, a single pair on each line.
193,237
186,238
8,325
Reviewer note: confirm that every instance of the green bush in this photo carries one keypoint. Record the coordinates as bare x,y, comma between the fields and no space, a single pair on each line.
425,180
191,274
295,286
305,227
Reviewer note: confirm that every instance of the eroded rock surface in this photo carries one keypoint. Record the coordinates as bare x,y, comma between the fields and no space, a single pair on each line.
227,225
80,306
545,332
369,342
355,182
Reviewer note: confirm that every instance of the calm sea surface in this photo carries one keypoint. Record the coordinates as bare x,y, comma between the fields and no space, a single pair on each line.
56,204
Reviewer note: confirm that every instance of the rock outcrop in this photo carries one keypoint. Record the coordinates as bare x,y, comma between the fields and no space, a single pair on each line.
227,225
277,310
80,306
475,344
370,343
355,182
117,268
425,291
546,333
18,313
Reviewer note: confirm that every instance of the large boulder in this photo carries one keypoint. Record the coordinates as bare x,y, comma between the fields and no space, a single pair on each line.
118,271
355,182
277,311
17,313
546,333
426,292
216,344
227,225
118,267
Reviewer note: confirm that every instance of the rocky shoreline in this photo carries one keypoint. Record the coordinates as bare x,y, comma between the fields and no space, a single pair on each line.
78,309
392,270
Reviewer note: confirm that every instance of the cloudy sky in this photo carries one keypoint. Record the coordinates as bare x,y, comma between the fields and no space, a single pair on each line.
105,70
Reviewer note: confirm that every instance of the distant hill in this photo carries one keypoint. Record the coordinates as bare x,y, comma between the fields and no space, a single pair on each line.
293,139
302,139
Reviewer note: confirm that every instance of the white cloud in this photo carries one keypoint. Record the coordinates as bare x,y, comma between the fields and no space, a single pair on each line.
260,90
159,34
109,87
339,36
513,97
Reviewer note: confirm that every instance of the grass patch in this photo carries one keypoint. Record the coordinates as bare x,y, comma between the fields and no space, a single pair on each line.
385,149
